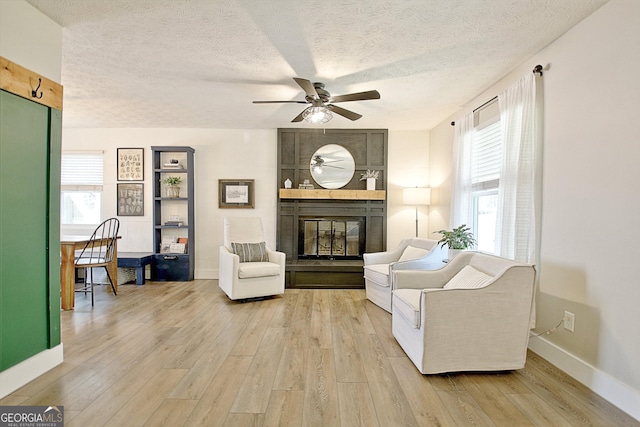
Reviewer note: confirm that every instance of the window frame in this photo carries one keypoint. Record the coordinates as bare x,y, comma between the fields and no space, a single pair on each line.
485,117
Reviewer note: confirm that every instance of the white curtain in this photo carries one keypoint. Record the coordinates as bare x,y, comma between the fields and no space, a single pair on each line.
519,192
520,183
461,203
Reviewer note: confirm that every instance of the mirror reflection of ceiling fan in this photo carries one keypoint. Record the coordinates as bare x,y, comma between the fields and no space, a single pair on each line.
322,102
317,163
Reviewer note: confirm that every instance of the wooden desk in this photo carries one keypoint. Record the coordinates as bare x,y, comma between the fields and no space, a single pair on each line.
68,246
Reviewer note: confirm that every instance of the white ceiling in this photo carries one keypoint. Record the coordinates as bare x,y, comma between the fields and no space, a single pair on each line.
200,63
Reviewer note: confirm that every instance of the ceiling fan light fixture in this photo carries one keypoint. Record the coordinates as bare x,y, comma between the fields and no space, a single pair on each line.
317,115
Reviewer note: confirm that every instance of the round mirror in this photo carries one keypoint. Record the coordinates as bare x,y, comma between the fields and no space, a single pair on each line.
332,166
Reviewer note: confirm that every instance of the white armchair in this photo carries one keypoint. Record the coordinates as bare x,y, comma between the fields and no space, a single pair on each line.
248,269
414,253
471,315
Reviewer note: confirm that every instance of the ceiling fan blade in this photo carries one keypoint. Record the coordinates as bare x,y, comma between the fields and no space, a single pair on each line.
308,87
298,118
359,96
279,102
344,113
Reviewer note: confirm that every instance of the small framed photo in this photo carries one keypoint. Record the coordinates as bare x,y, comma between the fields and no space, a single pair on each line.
130,199
235,193
130,164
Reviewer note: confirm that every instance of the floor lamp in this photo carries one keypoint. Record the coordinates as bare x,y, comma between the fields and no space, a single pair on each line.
416,196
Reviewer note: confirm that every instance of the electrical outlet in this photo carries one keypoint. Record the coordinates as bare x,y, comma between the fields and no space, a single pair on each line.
569,320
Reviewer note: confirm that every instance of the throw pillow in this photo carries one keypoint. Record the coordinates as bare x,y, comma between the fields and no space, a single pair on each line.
468,278
251,252
411,253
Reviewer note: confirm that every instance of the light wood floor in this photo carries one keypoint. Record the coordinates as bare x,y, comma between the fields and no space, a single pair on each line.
182,354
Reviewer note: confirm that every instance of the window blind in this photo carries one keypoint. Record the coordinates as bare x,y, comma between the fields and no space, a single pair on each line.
82,171
486,154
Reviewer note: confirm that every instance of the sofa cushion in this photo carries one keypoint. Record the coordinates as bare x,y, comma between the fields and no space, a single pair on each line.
410,253
468,278
406,303
377,273
251,252
247,270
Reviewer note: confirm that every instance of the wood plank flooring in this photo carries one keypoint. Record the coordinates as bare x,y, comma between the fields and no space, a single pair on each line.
179,354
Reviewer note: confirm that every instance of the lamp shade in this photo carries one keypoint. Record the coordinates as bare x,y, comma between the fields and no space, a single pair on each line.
416,196
317,115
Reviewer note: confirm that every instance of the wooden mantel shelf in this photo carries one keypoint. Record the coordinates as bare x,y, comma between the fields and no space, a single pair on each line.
294,193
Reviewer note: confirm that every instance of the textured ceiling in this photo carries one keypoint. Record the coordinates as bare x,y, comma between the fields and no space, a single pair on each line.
200,63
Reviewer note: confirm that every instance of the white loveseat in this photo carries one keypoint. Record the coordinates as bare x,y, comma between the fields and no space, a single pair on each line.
471,315
413,253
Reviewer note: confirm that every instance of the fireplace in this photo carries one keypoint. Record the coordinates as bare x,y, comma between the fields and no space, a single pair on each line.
331,238
325,232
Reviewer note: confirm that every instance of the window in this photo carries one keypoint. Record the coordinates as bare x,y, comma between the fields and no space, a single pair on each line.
486,162
81,188
497,172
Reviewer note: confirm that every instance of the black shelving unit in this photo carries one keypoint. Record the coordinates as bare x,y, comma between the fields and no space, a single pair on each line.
171,265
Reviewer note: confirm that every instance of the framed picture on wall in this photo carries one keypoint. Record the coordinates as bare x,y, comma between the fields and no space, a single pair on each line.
130,164
235,193
130,199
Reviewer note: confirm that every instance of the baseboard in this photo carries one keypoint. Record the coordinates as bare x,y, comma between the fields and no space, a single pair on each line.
30,369
206,273
617,393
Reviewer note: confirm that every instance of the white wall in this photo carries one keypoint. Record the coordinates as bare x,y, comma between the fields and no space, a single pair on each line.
589,253
408,166
440,175
30,39
219,154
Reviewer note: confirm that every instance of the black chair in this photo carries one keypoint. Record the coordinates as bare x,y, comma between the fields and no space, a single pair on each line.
98,252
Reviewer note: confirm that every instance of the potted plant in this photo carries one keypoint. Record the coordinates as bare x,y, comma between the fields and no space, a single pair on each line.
370,176
458,239
172,184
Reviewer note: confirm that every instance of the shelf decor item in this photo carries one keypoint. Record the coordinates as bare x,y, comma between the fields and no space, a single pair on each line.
370,176
172,186
235,194
130,164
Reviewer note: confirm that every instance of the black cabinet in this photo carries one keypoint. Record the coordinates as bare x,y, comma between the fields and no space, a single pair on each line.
173,214
172,268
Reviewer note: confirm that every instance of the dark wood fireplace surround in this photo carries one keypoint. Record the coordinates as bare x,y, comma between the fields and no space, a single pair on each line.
330,270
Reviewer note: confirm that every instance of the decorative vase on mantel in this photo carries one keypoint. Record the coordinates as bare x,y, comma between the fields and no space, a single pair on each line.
370,176
371,183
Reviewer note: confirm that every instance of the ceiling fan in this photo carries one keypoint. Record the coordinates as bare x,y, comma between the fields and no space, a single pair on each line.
322,102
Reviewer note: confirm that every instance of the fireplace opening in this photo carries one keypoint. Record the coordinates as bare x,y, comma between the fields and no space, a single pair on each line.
331,238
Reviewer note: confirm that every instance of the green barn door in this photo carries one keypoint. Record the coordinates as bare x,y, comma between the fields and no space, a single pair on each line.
24,229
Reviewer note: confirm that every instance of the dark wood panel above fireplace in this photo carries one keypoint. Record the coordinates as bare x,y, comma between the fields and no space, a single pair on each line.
295,149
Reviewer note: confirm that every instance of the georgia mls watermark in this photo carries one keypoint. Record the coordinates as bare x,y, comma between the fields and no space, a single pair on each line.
31,416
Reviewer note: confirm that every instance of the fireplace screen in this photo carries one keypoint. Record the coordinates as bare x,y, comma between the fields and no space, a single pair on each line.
331,238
